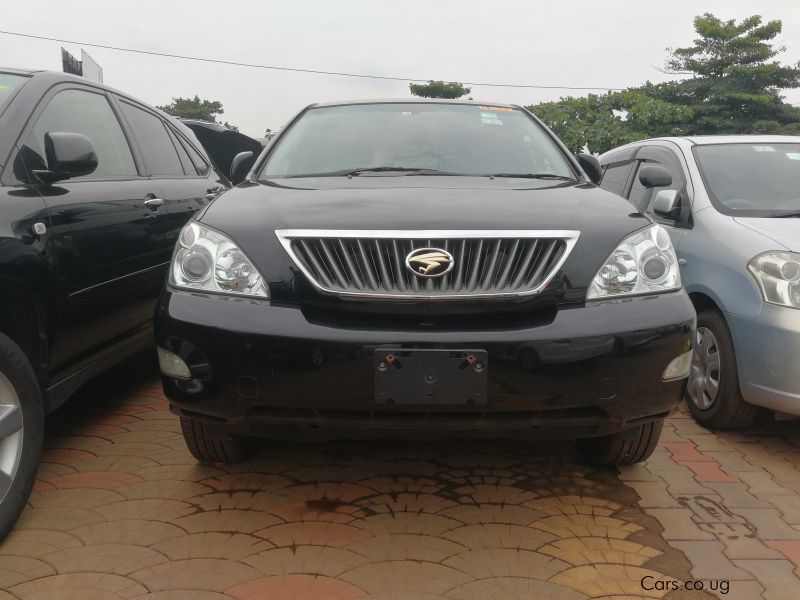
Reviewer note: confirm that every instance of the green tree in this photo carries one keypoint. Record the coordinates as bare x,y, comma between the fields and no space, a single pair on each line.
195,108
439,89
604,121
733,86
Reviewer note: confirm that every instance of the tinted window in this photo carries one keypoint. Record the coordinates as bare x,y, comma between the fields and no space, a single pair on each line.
463,139
198,163
756,180
78,111
639,195
615,178
157,147
186,162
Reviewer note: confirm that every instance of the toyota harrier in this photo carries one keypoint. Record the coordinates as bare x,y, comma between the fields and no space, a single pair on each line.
423,268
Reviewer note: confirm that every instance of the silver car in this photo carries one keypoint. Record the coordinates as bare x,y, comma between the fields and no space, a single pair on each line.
732,207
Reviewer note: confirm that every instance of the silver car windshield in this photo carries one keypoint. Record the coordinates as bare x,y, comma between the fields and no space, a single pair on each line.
416,139
757,180
8,85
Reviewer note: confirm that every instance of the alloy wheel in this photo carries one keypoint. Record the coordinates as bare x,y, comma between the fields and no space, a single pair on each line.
705,371
11,430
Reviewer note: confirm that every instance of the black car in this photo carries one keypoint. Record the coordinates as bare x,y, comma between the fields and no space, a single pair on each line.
94,189
424,269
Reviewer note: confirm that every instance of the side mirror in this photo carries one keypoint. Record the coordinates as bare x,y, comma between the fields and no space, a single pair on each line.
68,155
654,176
591,166
667,204
239,166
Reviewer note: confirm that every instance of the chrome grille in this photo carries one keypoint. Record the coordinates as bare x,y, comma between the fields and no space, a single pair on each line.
373,263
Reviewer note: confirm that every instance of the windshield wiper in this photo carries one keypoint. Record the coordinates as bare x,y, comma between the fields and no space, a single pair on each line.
363,170
783,215
533,176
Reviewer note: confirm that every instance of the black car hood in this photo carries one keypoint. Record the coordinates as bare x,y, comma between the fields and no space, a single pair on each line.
251,212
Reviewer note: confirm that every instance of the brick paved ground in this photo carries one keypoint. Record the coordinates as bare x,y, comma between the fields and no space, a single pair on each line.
121,510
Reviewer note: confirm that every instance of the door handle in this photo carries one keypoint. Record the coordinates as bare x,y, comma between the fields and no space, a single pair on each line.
154,203
213,193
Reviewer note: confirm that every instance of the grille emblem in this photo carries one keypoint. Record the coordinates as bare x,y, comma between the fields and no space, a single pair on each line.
429,262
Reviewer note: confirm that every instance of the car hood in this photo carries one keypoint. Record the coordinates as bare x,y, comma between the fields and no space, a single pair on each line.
251,212
784,231
222,144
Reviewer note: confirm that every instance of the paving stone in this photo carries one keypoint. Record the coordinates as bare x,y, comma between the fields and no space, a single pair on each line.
678,524
744,546
790,549
776,576
709,471
684,451
768,524
653,494
762,484
639,472
732,461
683,482
708,561
736,495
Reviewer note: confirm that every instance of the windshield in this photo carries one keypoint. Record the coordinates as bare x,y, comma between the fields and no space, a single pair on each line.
754,180
8,84
416,139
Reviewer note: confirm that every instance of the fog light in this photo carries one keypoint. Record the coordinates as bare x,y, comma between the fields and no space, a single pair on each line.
679,367
172,365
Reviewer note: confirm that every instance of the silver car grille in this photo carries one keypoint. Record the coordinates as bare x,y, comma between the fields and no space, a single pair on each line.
373,263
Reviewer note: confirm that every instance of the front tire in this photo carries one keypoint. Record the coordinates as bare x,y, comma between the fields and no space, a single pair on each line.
207,447
624,448
21,432
712,391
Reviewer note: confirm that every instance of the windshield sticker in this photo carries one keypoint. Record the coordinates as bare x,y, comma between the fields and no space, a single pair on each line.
490,118
793,155
496,108
763,148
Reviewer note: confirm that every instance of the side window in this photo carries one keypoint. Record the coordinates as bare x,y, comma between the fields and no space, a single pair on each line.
157,147
197,164
186,162
615,177
639,195
89,113
198,161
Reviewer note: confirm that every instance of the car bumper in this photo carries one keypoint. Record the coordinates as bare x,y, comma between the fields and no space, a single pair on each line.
262,369
768,356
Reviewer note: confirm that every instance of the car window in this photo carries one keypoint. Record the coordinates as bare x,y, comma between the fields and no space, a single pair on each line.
186,162
639,195
8,85
89,113
157,147
615,177
198,163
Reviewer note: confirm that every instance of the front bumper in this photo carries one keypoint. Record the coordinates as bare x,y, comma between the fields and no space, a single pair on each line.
263,369
768,357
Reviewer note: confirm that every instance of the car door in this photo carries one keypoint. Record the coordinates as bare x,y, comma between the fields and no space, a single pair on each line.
643,198
105,235
187,182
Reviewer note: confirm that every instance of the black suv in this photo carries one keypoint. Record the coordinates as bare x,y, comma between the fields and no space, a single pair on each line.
94,188
423,268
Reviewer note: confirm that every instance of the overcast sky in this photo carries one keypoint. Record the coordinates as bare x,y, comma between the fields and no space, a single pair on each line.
571,42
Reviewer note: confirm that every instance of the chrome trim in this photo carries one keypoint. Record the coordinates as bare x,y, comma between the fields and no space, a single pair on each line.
570,237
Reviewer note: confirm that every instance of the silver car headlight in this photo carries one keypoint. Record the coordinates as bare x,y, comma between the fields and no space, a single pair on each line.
644,263
207,261
778,277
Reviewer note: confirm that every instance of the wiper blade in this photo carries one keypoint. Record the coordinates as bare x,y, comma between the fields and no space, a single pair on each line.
533,176
785,214
362,170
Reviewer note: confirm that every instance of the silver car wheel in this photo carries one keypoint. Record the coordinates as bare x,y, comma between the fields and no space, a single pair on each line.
705,371
11,429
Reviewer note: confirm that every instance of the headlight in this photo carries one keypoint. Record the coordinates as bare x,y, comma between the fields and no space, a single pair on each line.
205,260
778,277
644,263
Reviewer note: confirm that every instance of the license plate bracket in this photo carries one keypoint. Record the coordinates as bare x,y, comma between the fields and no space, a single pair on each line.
430,376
